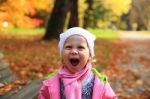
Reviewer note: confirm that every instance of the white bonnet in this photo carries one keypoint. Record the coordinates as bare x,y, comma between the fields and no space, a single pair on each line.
90,38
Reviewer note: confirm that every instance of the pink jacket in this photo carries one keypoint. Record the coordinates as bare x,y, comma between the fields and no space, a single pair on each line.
51,89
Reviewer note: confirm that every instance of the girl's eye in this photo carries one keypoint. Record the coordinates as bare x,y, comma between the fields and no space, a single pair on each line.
68,47
80,47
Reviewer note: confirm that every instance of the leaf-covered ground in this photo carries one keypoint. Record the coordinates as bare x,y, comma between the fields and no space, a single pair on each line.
31,58
125,63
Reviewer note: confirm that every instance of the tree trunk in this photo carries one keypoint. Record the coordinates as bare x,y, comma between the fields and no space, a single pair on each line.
125,18
2,1
73,21
57,20
87,14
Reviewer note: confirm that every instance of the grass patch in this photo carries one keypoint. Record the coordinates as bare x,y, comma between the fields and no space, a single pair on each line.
22,31
99,33
105,34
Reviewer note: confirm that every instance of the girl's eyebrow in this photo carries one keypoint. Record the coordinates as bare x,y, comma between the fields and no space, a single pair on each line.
67,44
81,45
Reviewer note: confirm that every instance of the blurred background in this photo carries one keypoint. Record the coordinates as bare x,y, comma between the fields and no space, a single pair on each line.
29,32
104,14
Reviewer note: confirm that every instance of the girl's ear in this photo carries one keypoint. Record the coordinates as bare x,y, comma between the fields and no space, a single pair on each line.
90,59
62,61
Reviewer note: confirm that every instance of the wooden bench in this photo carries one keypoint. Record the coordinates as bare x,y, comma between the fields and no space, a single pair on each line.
29,91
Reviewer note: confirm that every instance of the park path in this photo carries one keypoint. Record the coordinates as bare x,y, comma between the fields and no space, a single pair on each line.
134,35
135,63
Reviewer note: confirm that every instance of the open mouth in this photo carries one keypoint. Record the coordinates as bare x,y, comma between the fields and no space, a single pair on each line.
74,61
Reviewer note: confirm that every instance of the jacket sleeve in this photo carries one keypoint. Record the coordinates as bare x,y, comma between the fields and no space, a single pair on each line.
44,93
108,92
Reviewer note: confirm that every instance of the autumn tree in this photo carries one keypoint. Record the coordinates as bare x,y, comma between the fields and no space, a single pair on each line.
99,13
20,13
139,16
105,13
93,13
57,19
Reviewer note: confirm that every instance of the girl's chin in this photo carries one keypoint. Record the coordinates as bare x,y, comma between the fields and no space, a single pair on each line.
75,65
74,71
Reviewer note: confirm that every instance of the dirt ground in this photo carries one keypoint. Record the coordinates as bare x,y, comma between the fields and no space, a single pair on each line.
133,67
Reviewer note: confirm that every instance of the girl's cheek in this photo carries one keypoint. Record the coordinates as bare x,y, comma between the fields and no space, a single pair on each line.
83,52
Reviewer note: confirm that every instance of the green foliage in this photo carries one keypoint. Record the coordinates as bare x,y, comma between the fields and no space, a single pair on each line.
105,13
93,13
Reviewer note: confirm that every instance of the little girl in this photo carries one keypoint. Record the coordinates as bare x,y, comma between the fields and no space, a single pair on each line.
76,79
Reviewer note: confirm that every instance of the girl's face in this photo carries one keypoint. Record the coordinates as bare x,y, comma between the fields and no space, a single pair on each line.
75,53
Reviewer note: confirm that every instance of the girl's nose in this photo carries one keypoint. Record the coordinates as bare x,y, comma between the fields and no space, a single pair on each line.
74,51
